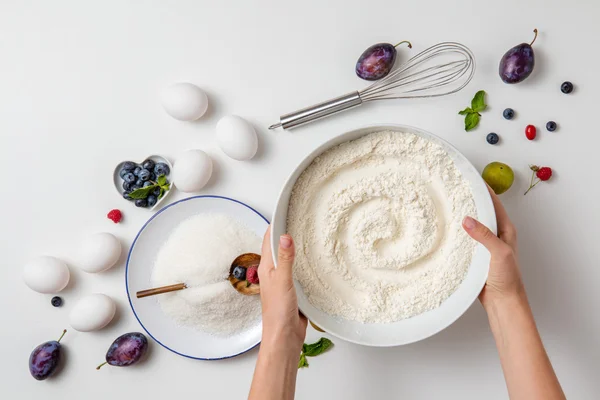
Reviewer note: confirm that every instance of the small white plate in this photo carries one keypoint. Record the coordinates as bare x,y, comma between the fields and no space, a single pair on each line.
118,181
185,341
421,326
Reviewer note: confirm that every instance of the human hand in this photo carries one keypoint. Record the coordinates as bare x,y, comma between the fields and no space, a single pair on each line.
282,322
504,278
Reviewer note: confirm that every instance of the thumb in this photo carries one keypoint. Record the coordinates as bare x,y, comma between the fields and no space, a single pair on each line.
285,255
482,234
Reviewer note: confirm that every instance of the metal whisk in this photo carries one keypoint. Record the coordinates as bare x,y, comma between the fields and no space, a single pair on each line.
442,69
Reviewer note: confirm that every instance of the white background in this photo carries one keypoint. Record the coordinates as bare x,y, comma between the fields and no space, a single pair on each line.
79,92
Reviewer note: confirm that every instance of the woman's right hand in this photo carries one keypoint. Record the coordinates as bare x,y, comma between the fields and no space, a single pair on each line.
504,278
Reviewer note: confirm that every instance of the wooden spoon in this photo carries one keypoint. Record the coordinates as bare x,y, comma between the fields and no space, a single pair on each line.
244,260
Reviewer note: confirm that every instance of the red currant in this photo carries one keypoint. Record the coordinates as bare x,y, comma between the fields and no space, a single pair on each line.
530,132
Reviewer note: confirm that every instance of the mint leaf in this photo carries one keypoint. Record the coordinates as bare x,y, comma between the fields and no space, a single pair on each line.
471,121
472,116
142,193
162,180
161,194
478,102
303,363
315,349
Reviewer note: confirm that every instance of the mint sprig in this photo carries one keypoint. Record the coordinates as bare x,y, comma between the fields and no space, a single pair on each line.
472,114
144,192
313,350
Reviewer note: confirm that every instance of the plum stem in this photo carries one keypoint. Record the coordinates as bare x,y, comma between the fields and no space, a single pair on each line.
101,365
404,41
535,37
61,336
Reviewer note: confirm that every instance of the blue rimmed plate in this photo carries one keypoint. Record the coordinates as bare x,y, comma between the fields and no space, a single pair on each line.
187,342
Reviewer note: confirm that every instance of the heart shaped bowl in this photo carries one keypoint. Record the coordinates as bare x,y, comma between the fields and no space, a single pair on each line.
118,181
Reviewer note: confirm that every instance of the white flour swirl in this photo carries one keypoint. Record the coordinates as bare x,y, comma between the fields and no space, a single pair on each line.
377,225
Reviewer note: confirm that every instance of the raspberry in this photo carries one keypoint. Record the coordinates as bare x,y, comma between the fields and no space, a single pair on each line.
544,173
252,274
115,216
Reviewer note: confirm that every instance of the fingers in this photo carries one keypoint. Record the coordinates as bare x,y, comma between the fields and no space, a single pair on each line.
483,235
286,254
266,256
506,229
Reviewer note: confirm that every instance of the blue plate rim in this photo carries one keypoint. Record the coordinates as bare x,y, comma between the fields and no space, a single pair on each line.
127,270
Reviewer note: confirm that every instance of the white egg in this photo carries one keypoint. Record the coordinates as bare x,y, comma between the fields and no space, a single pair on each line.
46,274
192,170
237,137
99,252
184,101
92,312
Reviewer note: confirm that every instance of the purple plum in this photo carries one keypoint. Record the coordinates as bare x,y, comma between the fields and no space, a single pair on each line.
517,63
126,350
377,61
45,358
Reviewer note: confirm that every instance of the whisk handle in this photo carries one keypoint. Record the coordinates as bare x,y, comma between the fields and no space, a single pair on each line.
317,111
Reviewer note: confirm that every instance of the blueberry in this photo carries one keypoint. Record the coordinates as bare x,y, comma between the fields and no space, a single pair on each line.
508,113
551,126
147,183
141,203
144,175
152,177
126,195
492,138
123,172
161,169
139,182
239,273
156,191
135,186
137,171
129,166
129,177
127,186
566,87
56,301
148,164
151,200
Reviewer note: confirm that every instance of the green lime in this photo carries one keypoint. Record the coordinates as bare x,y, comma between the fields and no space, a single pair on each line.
499,176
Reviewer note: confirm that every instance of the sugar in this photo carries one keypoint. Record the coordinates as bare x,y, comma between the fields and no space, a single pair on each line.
199,253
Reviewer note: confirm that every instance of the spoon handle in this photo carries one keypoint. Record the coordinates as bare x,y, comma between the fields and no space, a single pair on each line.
159,290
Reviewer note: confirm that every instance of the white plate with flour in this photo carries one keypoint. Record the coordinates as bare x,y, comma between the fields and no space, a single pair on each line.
362,221
185,340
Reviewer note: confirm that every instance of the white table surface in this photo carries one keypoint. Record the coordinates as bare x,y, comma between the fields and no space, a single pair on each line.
79,92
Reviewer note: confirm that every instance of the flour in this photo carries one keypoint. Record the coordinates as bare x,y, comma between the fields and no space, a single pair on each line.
377,226
199,253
